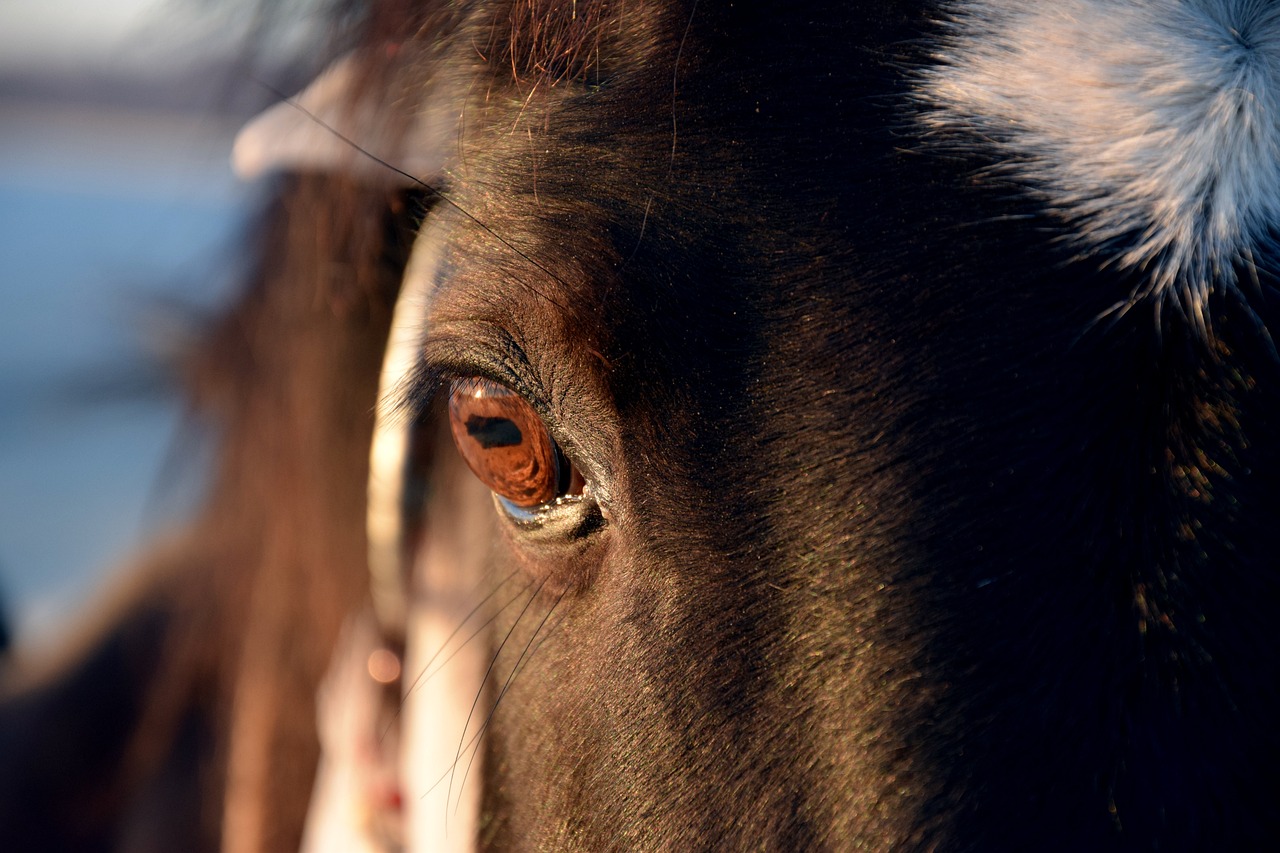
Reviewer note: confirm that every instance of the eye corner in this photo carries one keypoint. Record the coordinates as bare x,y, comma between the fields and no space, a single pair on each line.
547,514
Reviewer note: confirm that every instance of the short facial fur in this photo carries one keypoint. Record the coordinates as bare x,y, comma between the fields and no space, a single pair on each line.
904,547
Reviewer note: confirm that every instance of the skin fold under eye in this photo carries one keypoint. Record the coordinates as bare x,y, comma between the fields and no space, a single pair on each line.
506,444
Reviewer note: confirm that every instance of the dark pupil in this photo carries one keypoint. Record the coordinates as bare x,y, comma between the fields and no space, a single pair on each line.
493,432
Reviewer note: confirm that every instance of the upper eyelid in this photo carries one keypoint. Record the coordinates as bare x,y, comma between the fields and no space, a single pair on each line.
439,362
473,348
470,349
489,353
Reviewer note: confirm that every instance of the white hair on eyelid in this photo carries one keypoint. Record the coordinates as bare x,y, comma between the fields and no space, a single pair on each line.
1152,125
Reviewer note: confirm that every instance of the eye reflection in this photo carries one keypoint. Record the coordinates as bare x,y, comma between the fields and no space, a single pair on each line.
506,444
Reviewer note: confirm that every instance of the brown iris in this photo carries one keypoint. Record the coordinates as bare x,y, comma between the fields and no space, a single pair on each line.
505,443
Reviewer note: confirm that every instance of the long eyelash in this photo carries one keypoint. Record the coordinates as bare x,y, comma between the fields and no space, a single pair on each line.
414,394
433,191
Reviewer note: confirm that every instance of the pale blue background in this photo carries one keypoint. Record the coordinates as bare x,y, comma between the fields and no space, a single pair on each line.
118,224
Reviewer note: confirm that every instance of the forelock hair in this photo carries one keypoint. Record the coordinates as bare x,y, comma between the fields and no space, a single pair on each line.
553,40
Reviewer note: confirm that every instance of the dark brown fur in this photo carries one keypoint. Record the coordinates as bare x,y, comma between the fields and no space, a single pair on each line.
910,552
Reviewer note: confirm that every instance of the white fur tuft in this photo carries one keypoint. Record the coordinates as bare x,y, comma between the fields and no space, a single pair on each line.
1153,125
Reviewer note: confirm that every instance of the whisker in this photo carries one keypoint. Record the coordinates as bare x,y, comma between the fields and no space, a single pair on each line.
487,622
675,85
479,692
420,679
552,629
472,612
524,655
445,775
435,192
480,732
644,222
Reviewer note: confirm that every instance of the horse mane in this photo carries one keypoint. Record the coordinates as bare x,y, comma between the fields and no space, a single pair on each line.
290,375
224,632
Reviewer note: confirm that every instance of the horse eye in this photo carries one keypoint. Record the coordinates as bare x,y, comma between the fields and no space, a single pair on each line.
507,445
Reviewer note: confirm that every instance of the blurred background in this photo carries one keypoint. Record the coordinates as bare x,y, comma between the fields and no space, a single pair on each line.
119,221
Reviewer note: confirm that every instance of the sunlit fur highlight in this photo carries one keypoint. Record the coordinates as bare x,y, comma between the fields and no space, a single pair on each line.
1151,126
